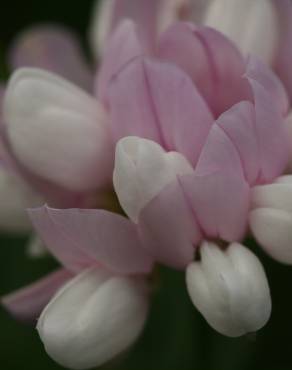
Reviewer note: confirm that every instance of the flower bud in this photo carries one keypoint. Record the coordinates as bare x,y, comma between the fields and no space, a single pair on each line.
142,170
271,218
252,25
93,318
230,289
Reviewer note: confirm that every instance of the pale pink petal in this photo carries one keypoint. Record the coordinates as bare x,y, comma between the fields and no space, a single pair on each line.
220,201
270,132
219,154
55,49
99,236
26,304
260,72
169,229
157,101
238,123
122,47
61,245
212,61
283,56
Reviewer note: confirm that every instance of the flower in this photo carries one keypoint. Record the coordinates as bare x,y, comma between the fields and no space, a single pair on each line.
190,140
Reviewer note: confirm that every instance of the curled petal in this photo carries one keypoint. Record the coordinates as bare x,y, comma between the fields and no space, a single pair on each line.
27,303
51,123
54,49
230,289
93,318
150,169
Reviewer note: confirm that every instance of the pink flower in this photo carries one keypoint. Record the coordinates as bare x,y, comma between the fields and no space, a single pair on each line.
196,130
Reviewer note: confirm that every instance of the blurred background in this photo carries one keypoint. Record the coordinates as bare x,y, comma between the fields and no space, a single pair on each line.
176,336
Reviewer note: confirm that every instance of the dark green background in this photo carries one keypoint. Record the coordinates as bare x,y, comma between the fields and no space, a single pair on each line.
176,337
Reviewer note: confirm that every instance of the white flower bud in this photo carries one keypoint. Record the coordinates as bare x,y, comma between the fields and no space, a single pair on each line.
271,218
142,170
230,289
93,318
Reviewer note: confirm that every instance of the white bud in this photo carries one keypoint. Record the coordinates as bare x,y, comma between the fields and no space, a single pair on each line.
230,289
252,25
142,170
271,218
93,318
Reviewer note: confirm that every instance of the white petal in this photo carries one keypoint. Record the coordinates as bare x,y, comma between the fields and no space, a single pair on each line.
277,195
272,229
252,25
230,289
36,247
142,170
57,130
15,197
101,25
93,318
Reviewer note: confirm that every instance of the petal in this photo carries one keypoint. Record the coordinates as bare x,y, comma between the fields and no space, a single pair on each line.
272,229
109,14
15,197
41,110
149,169
270,131
210,59
27,303
230,289
93,318
169,229
258,71
122,47
238,124
252,25
54,49
220,201
85,237
283,55
36,248
157,101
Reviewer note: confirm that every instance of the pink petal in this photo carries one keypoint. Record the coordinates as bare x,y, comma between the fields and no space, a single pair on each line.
169,229
220,201
213,62
157,101
123,46
259,72
238,123
284,52
54,49
219,154
26,304
79,237
270,132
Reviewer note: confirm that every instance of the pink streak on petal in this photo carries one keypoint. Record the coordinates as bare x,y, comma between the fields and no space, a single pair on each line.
169,229
55,49
106,237
213,62
27,303
123,46
221,202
